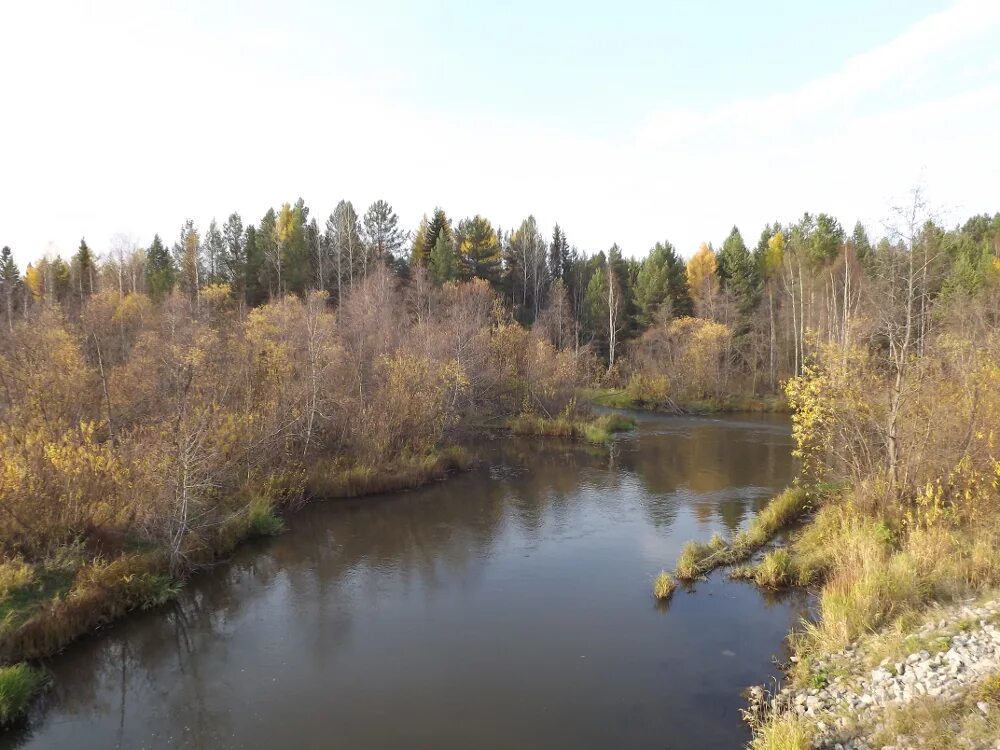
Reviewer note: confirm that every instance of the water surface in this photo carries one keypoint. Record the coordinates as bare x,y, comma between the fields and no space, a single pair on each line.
508,607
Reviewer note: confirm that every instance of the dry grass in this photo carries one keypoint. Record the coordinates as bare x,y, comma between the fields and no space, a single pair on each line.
664,586
337,478
787,732
937,723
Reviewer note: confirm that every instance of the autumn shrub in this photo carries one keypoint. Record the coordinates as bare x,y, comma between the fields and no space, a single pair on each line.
688,356
648,390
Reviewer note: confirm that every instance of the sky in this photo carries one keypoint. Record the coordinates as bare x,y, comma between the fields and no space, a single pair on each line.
631,122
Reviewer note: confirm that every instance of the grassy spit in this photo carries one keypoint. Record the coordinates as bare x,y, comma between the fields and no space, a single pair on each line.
594,430
698,558
620,398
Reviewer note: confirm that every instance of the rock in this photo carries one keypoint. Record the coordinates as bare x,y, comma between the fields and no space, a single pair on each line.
984,707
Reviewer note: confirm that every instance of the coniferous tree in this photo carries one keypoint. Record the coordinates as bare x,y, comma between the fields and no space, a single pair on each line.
269,252
558,253
160,274
443,263
382,233
292,246
862,245
661,284
234,255
212,251
438,225
478,250
256,277
420,250
10,278
84,269
738,271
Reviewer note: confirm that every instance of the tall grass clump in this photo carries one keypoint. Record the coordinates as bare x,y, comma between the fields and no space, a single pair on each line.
664,586
262,520
775,570
603,428
18,685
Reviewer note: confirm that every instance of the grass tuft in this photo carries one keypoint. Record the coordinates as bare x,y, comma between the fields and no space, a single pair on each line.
262,520
786,732
664,586
18,685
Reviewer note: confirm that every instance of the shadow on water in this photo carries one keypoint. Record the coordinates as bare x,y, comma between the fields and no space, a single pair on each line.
509,606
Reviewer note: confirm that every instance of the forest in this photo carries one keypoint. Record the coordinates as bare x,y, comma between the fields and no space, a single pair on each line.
160,403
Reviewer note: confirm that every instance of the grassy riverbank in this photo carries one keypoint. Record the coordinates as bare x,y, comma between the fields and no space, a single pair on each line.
45,606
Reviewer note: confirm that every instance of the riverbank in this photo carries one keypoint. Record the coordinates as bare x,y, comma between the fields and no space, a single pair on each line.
45,607
905,636
933,684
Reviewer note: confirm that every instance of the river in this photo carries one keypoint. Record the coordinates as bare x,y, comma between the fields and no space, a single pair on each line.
506,607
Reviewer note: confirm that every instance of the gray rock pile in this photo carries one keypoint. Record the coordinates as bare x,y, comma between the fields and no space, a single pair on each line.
958,651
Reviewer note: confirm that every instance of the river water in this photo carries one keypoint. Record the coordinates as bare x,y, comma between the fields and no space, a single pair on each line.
508,607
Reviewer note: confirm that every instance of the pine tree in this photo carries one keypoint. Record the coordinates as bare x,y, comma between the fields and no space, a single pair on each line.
661,284
382,233
160,274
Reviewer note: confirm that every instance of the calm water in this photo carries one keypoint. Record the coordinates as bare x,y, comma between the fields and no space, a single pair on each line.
509,607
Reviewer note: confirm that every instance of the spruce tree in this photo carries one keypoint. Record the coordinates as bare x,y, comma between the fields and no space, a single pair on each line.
84,269
443,263
10,278
160,274
558,253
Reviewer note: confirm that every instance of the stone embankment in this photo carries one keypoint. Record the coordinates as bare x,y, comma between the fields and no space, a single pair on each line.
946,660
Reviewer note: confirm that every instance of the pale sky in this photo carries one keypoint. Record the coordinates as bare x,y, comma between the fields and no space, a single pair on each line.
629,122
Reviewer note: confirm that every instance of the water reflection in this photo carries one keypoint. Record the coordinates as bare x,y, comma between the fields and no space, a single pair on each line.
509,606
